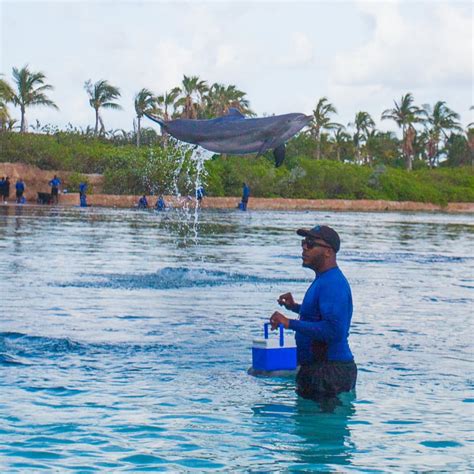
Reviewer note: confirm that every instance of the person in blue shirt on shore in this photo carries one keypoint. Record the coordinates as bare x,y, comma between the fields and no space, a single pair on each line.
143,203
200,193
245,196
82,194
326,363
160,203
20,189
55,183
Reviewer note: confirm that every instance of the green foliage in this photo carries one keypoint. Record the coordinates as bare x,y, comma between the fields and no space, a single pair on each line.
327,179
75,179
458,152
154,169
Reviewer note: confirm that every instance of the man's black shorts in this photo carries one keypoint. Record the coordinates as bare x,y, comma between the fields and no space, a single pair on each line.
325,379
54,191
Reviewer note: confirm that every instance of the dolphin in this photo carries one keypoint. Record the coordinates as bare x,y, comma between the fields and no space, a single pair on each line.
234,134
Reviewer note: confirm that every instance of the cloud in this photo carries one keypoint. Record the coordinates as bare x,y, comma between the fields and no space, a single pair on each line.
412,45
299,51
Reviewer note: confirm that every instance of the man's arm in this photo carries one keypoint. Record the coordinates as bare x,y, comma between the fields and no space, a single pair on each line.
334,311
288,302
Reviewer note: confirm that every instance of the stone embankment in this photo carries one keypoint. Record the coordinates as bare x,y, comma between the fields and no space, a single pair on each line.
36,180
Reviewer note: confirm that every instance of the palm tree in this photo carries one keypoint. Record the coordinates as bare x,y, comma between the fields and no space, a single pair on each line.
101,95
220,98
363,123
145,101
6,95
193,90
30,91
340,140
167,100
440,119
405,115
321,121
164,103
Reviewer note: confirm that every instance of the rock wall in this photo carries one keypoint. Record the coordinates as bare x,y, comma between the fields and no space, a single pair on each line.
36,180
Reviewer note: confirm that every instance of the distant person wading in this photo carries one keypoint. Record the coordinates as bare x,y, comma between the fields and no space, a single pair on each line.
327,365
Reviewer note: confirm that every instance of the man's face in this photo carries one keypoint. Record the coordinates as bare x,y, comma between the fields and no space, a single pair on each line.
315,252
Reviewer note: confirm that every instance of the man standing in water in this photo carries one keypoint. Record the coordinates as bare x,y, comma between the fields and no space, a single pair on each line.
327,365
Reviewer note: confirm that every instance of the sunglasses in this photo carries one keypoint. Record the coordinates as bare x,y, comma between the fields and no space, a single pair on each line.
311,244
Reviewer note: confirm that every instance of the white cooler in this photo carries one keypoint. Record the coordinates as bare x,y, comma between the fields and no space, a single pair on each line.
275,353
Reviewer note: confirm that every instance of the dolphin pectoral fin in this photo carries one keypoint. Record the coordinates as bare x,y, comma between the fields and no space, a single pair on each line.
279,154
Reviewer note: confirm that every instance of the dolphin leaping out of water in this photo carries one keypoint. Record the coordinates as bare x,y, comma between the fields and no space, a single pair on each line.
234,134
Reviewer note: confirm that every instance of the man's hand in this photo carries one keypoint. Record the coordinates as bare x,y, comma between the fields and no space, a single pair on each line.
287,301
277,319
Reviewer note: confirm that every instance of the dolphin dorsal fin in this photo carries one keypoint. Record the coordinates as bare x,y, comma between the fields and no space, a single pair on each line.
235,113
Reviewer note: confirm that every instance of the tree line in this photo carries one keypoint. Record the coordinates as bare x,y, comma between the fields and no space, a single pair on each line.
429,133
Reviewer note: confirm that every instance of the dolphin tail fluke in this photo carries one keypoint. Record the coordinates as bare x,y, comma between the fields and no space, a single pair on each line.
279,154
155,119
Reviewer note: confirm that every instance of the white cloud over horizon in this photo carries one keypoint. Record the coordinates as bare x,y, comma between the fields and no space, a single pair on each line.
285,56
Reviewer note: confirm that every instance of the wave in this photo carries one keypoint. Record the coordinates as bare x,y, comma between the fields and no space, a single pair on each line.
16,348
174,278
7,359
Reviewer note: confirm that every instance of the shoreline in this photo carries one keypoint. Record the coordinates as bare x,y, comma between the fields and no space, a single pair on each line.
255,204
37,181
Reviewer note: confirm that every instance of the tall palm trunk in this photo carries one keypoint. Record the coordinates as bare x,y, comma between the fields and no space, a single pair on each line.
318,143
139,131
409,136
358,153
96,129
23,121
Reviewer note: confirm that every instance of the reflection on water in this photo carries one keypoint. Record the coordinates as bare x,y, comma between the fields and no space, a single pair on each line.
125,343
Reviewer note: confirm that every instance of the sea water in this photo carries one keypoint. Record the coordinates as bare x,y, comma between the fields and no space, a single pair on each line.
124,344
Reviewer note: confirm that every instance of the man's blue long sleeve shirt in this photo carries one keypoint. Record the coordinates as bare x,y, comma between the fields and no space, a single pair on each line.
325,316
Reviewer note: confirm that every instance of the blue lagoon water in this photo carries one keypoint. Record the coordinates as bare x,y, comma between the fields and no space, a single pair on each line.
125,343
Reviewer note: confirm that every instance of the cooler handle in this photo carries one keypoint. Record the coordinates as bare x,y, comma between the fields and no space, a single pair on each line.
282,333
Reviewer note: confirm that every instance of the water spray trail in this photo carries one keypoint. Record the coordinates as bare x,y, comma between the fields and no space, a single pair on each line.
199,157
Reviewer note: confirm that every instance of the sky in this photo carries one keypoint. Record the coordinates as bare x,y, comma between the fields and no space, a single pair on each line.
284,54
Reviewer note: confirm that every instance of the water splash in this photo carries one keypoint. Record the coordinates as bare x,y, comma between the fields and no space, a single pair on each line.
188,177
168,278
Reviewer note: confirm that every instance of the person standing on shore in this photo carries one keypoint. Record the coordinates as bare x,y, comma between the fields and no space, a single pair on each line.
200,193
160,203
143,203
55,183
327,365
2,188
20,189
245,196
82,194
6,189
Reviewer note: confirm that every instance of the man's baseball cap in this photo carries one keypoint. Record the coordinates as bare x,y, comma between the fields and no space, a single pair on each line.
323,232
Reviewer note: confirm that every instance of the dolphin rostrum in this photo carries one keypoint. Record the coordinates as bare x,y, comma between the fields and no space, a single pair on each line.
234,134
